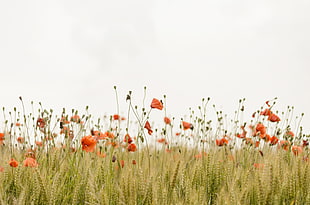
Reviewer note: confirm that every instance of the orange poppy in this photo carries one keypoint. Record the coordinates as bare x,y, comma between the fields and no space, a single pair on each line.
274,140
187,125
40,123
132,147
289,134
157,104
167,120
109,134
64,120
30,162
88,143
98,135
148,127
257,143
13,163
266,112
1,138
296,150
20,139
1,169
39,143
127,139
134,162
221,142
116,117
273,118
17,124
261,128
75,118
284,144
162,140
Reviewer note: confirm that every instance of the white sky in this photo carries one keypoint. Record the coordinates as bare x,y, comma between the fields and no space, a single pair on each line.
67,53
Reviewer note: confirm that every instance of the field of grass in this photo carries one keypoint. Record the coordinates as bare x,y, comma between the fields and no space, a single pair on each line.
70,158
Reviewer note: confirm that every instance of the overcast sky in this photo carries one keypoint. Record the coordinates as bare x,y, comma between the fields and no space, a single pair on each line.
67,53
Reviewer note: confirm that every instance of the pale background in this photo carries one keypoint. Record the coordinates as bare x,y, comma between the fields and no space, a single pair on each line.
70,54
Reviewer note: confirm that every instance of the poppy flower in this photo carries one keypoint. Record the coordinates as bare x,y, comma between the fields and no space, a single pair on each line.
39,143
284,144
1,138
162,140
261,128
273,118
30,162
127,139
132,147
289,134
64,120
187,125
20,139
17,124
296,150
274,140
40,123
109,134
98,135
167,120
116,117
148,127
157,104
221,142
75,118
13,163
257,143
88,143
266,112
134,162
1,169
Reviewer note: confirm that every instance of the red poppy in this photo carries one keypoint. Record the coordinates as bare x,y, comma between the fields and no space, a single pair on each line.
116,117
187,125
167,120
127,139
109,134
30,162
88,143
98,135
273,118
20,139
260,128
289,134
75,118
274,140
162,140
266,112
221,142
39,143
40,122
296,150
13,163
284,144
148,127
132,147
1,138
134,162
157,104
